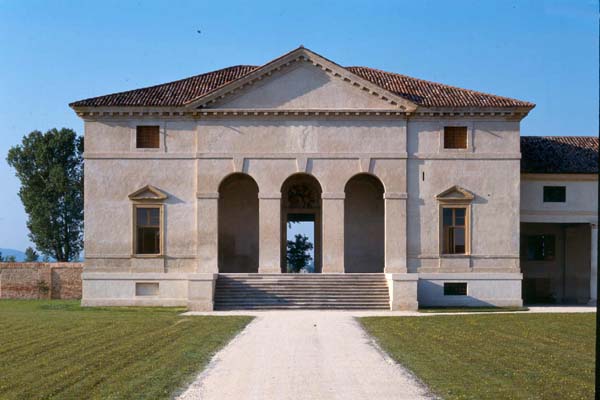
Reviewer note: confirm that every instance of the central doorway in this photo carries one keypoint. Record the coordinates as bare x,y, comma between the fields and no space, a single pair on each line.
301,223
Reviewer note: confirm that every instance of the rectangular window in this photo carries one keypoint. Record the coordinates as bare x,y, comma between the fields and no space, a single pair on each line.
455,137
555,194
454,227
541,247
455,288
147,230
147,137
146,288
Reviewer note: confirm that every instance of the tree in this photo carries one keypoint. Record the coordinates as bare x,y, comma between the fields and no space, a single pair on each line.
31,255
50,168
10,259
298,257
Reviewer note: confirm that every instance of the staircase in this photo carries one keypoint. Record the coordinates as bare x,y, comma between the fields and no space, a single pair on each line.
301,291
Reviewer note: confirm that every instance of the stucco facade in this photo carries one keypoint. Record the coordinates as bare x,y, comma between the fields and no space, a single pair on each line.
377,163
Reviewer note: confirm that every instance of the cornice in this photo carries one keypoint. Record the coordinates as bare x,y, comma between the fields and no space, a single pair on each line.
178,112
558,177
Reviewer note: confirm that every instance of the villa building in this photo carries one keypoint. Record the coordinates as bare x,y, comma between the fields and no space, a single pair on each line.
418,193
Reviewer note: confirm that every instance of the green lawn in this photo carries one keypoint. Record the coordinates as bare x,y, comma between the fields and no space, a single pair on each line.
499,356
58,350
470,309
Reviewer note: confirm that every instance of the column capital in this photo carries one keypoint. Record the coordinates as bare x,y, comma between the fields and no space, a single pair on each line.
207,195
269,196
333,195
395,195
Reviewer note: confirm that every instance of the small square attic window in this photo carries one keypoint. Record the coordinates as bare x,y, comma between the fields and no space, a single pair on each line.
147,137
455,137
555,194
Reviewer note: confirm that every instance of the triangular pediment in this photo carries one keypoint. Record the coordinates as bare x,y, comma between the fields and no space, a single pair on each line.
455,194
301,80
148,193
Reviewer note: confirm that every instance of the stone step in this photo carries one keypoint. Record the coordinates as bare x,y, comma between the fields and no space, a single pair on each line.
302,307
300,287
226,297
301,291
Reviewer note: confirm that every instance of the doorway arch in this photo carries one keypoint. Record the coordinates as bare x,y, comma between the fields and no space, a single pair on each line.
364,225
301,201
238,224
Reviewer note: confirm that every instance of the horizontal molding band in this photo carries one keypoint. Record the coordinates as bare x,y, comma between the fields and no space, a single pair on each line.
269,196
565,213
294,156
207,195
333,195
559,177
231,156
470,276
472,256
185,112
465,156
395,195
130,257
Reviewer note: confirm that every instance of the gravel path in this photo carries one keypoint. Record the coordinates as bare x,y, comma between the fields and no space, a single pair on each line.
304,355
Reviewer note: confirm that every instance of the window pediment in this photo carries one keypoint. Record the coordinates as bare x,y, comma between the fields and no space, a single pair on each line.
455,194
148,193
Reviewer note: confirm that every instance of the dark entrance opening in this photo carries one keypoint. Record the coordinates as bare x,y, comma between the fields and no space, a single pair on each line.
556,263
238,224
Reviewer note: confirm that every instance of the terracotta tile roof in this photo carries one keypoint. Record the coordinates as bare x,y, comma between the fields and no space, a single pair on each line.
559,154
420,92
431,94
169,94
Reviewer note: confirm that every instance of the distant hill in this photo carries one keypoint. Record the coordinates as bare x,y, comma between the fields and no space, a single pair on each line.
19,255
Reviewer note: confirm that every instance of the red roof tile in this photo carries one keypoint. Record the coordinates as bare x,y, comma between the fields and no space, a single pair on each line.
418,91
430,94
559,154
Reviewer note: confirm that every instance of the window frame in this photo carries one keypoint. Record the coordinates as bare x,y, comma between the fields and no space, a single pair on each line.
134,249
442,238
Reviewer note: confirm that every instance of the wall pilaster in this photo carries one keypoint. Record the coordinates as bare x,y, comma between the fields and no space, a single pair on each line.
208,232
594,265
395,232
269,232
333,232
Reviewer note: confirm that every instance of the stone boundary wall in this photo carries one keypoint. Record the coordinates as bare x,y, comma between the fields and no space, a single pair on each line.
21,280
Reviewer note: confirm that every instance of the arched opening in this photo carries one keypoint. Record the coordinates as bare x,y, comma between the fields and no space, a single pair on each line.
238,224
364,225
301,215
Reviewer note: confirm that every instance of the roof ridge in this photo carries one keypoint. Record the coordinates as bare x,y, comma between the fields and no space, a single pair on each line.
442,84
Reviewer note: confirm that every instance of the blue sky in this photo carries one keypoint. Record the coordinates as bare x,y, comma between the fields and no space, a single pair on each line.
55,52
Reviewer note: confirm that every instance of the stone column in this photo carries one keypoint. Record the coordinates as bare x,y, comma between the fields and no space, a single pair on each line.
269,233
332,241
594,265
207,231
395,232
